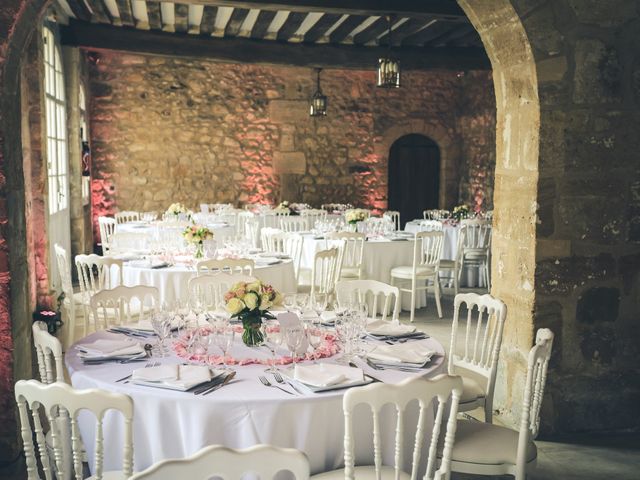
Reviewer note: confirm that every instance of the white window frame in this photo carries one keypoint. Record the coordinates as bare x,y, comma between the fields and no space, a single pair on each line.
55,123
82,106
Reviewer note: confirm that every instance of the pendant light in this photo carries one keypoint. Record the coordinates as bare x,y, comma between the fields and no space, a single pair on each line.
318,105
388,67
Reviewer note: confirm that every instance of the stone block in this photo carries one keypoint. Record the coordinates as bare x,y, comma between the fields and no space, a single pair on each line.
289,111
551,69
598,305
549,315
598,75
289,162
546,202
561,276
603,14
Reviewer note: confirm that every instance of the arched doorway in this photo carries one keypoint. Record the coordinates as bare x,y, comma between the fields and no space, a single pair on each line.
414,176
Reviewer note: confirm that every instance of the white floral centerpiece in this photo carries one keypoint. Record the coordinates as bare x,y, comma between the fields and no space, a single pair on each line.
196,235
250,302
460,212
176,209
283,207
356,215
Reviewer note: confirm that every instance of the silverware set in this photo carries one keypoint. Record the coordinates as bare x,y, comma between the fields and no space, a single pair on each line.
267,383
215,384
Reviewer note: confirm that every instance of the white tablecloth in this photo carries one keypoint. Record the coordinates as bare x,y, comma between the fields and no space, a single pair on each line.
151,231
173,282
169,424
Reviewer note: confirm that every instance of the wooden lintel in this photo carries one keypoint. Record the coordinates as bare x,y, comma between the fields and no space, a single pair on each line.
244,50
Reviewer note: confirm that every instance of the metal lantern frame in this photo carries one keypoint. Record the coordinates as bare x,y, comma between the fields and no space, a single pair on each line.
388,67
318,105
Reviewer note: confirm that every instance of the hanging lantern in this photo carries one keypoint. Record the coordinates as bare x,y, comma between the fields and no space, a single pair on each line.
318,105
388,67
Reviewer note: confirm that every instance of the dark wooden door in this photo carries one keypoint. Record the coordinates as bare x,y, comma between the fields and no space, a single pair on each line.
414,176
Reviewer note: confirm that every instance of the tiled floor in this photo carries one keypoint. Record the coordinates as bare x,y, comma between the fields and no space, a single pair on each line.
575,458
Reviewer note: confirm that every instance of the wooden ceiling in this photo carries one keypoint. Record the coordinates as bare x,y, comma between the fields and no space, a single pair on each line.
339,33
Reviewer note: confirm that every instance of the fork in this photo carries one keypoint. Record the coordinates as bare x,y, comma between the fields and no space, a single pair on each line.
267,383
282,381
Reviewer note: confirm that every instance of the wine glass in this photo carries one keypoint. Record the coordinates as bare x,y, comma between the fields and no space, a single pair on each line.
319,303
315,336
345,331
223,339
302,302
294,336
272,340
161,324
289,301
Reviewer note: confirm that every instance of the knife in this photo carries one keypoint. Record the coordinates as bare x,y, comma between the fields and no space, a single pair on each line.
220,385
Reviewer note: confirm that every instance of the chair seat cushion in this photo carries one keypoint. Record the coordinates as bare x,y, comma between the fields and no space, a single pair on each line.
487,444
447,264
362,473
113,475
349,272
407,272
471,390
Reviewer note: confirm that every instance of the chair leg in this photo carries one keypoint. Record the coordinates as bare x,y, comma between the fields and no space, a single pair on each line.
436,288
413,300
456,281
488,414
488,275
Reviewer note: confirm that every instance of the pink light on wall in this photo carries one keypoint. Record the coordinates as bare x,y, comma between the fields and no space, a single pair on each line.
102,202
371,185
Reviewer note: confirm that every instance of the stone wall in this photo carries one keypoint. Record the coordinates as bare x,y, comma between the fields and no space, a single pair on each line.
173,129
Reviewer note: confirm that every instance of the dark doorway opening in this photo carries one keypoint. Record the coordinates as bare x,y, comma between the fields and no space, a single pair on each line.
414,176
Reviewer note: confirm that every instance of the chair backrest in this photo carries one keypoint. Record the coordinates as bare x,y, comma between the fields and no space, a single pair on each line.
294,224
264,461
127,216
61,400
229,265
431,225
325,271
482,339
210,289
107,227
537,365
314,215
427,249
393,216
243,217
204,207
352,249
436,214
475,234
252,231
288,244
96,273
124,305
266,234
271,218
371,292
49,354
64,270
426,392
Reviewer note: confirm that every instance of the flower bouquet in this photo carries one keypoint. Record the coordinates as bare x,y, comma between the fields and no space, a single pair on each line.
196,235
176,209
283,207
250,303
460,212
356,215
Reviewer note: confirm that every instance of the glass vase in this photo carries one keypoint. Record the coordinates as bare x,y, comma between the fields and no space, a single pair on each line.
199,253
252,335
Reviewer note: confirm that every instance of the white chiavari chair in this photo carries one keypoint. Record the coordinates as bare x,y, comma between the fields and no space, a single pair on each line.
288,244
352,253
266,234
216,461
393,216
127,216
324,272
204,208
124,305
48,353
477,364
107,227
436,214
292,224
229,265
242,219
379,297
488,449
72,305
476,248
60,404
252,231
439,394
313,216
426,259
96,273
209,289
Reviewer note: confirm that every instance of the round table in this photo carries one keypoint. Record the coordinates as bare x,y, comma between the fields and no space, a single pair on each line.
143,233
173,281
170,424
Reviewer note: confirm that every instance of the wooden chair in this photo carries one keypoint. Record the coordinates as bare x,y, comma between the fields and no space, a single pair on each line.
59,401
263,461
478,363
370,292
107,227
210,289
475,236
127,216
72,306
291,224
427,251
352,253
393,216
230,265
488,449
124,305
427,393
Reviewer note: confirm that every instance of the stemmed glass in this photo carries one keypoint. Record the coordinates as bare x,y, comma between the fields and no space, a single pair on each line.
289,301
302,302
161,324
345,331
272,340
315,336
223,339
294,336
319,303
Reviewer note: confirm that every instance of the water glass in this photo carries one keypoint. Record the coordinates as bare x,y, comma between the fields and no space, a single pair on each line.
315,336
223,339
272,340
294,337
161,324
289,301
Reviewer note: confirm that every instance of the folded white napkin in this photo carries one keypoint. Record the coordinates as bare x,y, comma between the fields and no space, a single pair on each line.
326,374
402,353
177,377
105,348
383,327
267,260
328,316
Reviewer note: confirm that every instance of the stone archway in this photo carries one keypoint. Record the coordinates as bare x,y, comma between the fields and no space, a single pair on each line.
450,154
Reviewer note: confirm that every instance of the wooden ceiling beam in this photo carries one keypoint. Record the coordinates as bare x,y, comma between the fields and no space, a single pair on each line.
371,32
208,22
428,34
259,30
290,25
181,18
79,9
126,13
319,28
345,28
100,12
408,28
445,9
235,22
155,18
242,50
